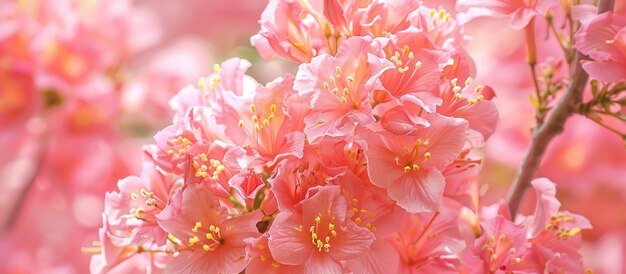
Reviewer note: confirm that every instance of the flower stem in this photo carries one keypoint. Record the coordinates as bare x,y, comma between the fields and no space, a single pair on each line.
531,59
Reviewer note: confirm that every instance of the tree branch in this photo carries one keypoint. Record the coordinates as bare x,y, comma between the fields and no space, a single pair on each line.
553,126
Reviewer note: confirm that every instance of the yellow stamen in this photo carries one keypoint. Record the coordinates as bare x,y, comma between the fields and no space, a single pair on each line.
201,83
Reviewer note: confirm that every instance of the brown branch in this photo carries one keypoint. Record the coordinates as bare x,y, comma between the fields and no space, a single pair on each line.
32,171
553,126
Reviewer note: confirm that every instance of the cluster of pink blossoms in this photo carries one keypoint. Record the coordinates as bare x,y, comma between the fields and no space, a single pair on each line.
365,161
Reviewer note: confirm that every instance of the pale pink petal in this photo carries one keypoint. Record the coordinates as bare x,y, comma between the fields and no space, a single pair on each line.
194,262
547,205
398,121
481,116
263,47
233,75
326,201
381,166
471,9
379,258
320,264
446,138
592,37
522,17
463,66
334,12
584,12
352,242
608,72
288,244
418,192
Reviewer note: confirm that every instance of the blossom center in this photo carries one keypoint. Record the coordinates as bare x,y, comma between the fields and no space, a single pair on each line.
562,232
215,80
413,156
213,169
362,216
403,60
180,145
258,121
458,91
409,242
438,18
316,234
498,250
150,200
208,240
342,87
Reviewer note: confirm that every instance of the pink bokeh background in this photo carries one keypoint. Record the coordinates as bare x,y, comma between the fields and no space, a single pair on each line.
60,211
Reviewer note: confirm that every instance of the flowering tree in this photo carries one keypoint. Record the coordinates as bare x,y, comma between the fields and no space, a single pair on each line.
365,159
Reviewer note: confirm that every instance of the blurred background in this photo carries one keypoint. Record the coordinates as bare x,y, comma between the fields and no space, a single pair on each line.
85,83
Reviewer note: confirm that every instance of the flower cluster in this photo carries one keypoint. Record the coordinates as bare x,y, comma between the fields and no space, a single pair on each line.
364,161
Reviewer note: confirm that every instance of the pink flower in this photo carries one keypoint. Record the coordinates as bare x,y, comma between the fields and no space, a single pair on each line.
440,26
251,192
604,40
380,18
268,124
501,248
371,208
318,233
417,64
125,258
340,157
408,166
215,166
128,218
520,12
262,261
338,89
229,76
403,119
209,241
555,235
131,212
546,241
472,103
428,242
247,185
173,145
291,182
289,31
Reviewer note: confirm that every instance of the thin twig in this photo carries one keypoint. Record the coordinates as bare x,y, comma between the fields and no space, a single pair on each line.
17,206
608,127
567,52
531,52
553,126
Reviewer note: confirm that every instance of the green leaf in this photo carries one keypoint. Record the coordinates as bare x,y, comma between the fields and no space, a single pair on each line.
534,101
259,199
